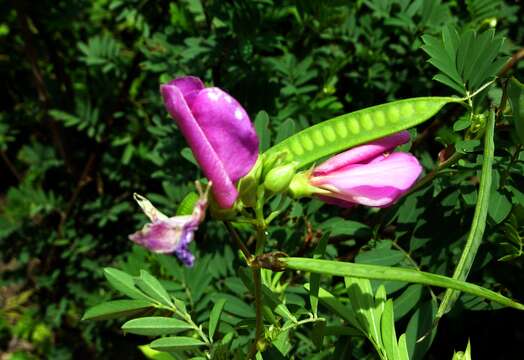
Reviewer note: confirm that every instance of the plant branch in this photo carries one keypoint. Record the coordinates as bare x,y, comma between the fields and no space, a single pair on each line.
478,224
302,322
238,241
433,173
257,280
519,55
259,330
414,263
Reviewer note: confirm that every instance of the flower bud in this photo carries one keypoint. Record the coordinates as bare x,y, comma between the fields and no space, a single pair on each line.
368,175
218,130
278,179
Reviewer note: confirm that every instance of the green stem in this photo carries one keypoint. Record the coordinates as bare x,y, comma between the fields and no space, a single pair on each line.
479,220
259,330
184,315
197,328
257,279
433,173
415,265
302,322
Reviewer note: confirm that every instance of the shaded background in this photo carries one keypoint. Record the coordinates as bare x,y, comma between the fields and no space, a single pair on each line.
82,127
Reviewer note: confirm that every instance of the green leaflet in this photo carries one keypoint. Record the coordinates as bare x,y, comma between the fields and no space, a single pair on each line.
173,343
358,127
155,326
116,308
338,268
371,313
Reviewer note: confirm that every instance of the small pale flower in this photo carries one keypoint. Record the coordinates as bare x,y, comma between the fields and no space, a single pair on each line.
168,235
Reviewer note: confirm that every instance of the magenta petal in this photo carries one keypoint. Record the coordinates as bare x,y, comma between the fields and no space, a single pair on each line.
228,129
160,236
379,183
362,153
212,165
187,84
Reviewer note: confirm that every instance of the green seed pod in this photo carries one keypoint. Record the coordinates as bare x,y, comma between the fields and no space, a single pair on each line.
359,127
278,179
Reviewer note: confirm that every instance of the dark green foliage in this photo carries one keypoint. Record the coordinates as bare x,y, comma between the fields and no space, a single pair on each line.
82,128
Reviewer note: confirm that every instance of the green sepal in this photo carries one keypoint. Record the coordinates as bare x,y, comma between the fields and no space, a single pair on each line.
247,186
219,213
301,187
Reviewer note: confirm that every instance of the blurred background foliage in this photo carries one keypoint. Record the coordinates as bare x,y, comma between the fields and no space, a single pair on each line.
82,127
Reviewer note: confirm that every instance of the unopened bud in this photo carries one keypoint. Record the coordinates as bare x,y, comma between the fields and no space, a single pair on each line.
278,179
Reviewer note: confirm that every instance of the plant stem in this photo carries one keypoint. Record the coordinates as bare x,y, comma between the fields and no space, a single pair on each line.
238,241
197,328
478,224
415,265
259,331
257,280
302,322
433,173
184,315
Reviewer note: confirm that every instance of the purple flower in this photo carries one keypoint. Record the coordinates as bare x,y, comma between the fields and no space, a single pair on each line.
367,174
170,234
218,130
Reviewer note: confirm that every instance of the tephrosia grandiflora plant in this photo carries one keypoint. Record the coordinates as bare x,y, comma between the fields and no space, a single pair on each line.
348,161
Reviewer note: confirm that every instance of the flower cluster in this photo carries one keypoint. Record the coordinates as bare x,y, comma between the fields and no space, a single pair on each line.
225,145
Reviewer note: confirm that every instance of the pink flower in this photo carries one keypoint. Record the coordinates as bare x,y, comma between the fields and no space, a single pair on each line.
168,235
367,174
218,130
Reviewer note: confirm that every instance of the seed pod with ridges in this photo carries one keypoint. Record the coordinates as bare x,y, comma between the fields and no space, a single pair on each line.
359,127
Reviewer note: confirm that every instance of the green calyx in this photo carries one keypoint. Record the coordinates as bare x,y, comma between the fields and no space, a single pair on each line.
219,213
300,186
247,186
